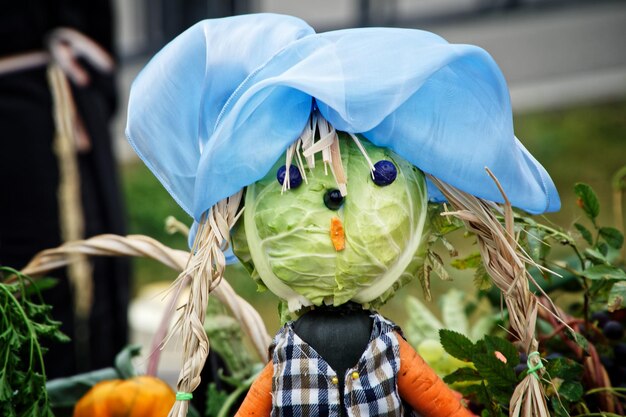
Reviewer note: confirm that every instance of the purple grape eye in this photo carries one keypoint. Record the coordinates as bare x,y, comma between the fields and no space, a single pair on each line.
295,179
385,173
333,199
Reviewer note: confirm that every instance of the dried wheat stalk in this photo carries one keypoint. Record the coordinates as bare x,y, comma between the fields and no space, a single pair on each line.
506,265
70,206
144,246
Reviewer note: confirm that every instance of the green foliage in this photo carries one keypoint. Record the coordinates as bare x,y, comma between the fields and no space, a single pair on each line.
584,232
226,338
587,200
440,225
613,237
491,376
617,297
287,234
220,402
240,371
595,265
566,377
457,345
24,321
595,252
214,400
491,380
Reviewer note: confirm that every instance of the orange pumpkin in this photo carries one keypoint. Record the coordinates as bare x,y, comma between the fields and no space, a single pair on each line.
141,396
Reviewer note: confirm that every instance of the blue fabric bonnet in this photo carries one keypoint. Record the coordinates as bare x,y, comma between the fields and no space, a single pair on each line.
216,107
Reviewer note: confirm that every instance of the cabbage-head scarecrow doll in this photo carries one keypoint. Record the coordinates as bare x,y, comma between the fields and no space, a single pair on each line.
328,143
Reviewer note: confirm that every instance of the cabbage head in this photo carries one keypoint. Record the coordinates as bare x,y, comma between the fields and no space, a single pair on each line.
284,239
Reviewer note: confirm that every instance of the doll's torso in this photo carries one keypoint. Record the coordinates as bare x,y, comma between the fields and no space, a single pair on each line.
331,351
340,335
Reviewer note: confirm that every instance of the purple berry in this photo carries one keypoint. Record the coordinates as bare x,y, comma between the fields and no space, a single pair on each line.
385,173
601,317
295,178
553,356
613,330
520,367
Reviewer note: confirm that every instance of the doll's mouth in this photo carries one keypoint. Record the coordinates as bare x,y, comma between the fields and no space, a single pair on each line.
337,234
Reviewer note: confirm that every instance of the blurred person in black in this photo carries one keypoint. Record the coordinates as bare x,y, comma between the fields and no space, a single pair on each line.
29,167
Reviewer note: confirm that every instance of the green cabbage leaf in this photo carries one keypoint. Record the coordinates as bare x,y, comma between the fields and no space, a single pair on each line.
284,238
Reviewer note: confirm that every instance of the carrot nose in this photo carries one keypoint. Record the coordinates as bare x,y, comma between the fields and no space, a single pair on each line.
337,235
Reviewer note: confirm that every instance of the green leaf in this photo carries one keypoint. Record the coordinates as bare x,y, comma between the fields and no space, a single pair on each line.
41,284
603,248
123,361
579,339
442,225
462,375
482,280
617,297
423,276
453,311
564,368
613,237
5,389
422,323
478,391
65,392
571,391
584,232
587,200
503,346
558,407
437,264
452,251
496,372
214,400
605,272
538,249
283,312
22,324
456,344
595,256
471,261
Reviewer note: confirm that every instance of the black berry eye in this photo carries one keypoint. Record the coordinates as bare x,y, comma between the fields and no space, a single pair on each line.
385,173
295,179
333,199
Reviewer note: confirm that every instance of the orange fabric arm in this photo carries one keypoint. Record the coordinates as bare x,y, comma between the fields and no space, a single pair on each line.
258,401
423,390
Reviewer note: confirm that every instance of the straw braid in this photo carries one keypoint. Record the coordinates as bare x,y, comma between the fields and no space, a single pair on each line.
205,268
507,267
144,246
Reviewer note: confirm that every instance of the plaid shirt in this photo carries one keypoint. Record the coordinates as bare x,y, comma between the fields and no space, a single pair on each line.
304,385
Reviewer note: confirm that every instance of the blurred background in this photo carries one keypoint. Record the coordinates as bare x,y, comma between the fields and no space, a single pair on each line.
564,60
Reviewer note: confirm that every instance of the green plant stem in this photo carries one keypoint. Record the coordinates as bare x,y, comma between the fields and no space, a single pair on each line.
594,390
584,280
619,184
32,334
618,392
586,297
230,400
557,234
